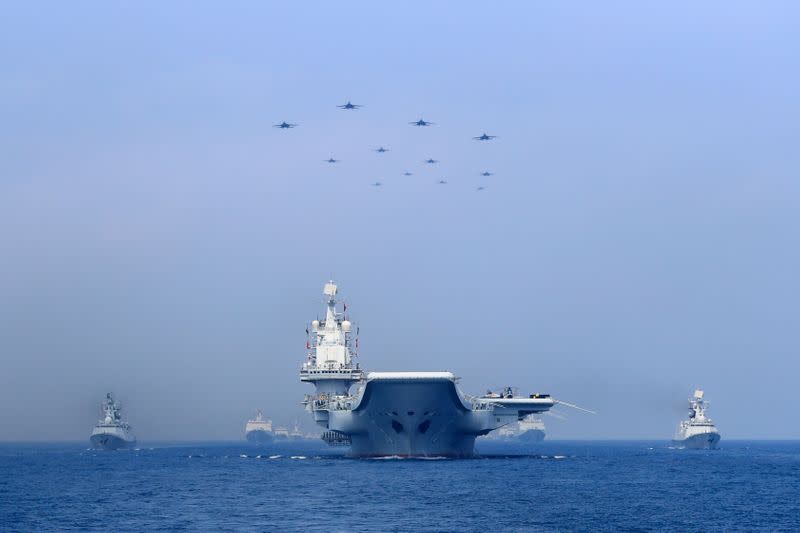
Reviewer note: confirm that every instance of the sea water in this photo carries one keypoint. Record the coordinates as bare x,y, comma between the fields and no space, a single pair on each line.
305,486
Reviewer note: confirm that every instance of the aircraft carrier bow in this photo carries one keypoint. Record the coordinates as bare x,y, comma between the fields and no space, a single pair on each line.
397,413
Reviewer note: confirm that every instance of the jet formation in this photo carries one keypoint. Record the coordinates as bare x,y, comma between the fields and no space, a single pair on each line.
349,106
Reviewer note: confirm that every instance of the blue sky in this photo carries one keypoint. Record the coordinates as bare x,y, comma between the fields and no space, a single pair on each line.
161,240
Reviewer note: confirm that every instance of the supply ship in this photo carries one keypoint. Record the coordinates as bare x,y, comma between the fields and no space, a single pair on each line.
528,430
111,432
531,429
258,430
699,431
396,413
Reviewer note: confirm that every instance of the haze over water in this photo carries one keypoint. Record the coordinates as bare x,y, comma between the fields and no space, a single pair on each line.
162,241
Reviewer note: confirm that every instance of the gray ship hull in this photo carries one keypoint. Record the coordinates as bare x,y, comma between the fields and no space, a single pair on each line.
409,419
106,441
424,417
259,437
533,435
703,441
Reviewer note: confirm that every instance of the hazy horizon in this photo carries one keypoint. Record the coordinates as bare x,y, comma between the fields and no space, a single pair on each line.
161,240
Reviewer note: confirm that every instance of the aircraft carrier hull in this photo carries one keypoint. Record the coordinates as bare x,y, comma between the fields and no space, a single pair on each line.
412,417
108,441
701,441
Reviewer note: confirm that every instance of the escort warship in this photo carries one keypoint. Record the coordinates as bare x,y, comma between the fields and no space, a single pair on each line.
699,431
396,413
111,432
258,430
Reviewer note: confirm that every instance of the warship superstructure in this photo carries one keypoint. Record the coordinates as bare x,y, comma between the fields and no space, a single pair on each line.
699,431
259,429
111,432
396,413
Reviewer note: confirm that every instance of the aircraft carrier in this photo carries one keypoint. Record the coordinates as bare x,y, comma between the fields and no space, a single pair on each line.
111,432
396,413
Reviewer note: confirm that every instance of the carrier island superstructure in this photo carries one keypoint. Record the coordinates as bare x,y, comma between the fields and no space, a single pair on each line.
396,413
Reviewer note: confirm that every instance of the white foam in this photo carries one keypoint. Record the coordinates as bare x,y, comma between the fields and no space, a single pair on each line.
275,456
297,457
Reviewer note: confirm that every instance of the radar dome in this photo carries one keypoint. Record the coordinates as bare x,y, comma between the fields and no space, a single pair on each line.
346,326
315,325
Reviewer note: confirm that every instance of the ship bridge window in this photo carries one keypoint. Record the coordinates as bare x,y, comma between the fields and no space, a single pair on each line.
411,413
397,426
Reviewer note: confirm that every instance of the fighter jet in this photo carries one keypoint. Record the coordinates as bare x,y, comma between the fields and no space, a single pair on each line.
431,161
421,122
284,125
486,173
381,150
485,137
377,184
348,105
407,173
331,160
442,182
480,188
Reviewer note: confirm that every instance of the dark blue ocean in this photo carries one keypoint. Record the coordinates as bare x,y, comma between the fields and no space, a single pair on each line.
553,486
